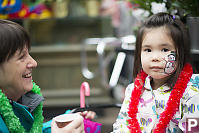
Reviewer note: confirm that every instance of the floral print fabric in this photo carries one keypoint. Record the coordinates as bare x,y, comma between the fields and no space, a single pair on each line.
152,103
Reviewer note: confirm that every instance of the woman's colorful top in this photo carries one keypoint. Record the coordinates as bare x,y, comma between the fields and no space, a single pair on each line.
17,118
152,103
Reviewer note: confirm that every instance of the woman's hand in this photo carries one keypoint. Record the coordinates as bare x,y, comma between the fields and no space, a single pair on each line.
75,126
88,114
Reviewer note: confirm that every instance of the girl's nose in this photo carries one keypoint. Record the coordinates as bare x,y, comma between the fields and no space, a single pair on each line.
32,63
155,57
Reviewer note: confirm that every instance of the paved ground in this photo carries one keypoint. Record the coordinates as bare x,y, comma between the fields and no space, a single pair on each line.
108,119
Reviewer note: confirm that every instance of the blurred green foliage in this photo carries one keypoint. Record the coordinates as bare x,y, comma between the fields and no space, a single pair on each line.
182,8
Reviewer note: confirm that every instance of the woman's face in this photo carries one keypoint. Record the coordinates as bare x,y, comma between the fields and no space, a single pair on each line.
158,53
16,74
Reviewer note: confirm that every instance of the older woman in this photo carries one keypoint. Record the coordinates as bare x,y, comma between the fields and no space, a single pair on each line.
20,98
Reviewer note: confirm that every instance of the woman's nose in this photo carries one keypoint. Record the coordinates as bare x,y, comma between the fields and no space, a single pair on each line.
32,63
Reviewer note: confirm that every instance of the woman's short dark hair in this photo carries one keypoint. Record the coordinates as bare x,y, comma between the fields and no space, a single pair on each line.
178,33
13,37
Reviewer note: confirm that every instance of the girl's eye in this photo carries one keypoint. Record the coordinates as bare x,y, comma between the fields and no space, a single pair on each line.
147,50
165,50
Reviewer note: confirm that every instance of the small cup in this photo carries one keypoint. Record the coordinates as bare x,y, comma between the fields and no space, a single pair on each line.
65,119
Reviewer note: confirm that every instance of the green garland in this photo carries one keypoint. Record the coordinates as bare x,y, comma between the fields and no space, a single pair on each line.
12,121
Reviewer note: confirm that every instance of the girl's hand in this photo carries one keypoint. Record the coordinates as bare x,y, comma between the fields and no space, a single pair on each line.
88,114
75,126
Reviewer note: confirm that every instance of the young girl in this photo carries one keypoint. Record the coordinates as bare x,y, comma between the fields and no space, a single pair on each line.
165,91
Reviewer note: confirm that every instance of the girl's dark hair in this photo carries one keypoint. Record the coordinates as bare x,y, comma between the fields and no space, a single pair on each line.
179,35
13,37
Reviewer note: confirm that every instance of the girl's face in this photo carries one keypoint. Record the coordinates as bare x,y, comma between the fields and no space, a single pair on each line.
16,74
158,53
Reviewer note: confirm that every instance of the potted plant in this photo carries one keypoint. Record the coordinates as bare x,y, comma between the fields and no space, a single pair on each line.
186,7
186,10
189,10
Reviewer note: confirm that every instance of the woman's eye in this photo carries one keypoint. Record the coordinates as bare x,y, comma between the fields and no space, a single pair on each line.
22,56
165,50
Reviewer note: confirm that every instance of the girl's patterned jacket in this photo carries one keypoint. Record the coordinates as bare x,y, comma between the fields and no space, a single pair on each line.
152,103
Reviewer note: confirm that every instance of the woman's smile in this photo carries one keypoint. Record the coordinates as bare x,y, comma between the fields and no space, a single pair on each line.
27,76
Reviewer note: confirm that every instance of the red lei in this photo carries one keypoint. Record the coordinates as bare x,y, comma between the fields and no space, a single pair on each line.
172,104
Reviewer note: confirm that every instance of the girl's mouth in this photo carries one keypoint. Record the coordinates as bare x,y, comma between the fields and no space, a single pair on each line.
156,68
